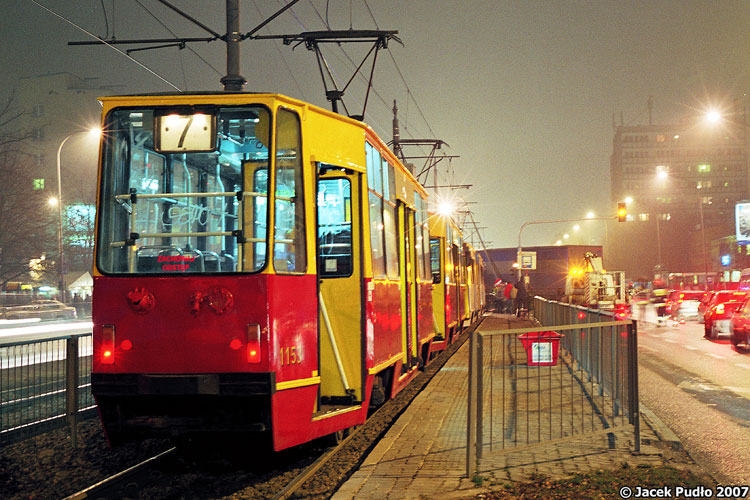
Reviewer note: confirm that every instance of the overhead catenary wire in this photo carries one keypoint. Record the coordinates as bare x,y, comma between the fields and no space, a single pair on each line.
217,71
283,58
372,121
154,73
409,93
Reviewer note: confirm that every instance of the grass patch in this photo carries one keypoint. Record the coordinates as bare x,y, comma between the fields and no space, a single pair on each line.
602,484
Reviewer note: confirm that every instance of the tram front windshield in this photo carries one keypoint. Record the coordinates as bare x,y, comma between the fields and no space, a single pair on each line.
184,191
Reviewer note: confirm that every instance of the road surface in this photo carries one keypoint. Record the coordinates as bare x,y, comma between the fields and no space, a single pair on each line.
701,390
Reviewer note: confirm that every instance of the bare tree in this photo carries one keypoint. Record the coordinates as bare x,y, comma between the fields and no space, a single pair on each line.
80,220
26,221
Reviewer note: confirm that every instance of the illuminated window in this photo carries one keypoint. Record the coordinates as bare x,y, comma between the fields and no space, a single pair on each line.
335,227
289,226
377,223
704,168
192,220
660,138
435,259
38,184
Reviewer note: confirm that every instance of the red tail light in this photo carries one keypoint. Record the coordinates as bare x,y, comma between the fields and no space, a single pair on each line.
108,345
719,309
253,343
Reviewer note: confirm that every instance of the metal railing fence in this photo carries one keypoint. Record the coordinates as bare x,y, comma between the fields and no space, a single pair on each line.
44,384
522,395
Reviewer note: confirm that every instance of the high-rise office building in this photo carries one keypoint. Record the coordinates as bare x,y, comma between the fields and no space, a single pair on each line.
681,183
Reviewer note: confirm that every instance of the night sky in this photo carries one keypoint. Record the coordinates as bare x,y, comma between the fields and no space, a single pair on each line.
525,92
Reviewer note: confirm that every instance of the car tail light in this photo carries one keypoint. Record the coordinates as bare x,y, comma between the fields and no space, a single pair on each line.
253,343
108,344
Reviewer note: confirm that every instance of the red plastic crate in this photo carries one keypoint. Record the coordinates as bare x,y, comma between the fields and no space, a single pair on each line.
541,347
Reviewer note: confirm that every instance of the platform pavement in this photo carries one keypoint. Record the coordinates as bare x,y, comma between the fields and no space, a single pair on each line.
423,455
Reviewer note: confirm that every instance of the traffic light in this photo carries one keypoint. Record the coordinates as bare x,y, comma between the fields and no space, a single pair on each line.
622,212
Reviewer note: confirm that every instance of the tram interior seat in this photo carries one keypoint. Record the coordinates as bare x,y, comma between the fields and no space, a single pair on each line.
198,264
228,262
211,262
148,261
147,257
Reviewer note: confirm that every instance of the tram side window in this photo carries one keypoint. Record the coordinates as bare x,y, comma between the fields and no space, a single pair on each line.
377,223
449,263
256,221
376,235
289,228
335,227
389,222
422,236
435,259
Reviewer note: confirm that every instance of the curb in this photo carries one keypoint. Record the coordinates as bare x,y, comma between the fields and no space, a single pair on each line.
661,430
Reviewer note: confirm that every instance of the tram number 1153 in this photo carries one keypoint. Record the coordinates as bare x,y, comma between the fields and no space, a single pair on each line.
289,356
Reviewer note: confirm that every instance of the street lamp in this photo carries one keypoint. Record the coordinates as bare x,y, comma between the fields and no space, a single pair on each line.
94,132
518,265
713,116
661,175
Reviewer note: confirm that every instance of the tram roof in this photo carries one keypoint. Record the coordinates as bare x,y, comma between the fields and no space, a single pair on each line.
271,95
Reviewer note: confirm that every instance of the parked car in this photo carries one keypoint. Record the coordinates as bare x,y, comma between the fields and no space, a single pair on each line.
704,303
43,309
719,312
683,304
740,333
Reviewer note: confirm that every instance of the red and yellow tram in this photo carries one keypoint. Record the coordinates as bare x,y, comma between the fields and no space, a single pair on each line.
262,266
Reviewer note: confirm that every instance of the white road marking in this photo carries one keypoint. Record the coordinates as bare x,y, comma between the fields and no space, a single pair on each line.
717,356
647,348
693,348
738,390
743,365
671,341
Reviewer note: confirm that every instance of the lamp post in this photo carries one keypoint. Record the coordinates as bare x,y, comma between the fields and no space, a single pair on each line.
95,132
589,216
661,175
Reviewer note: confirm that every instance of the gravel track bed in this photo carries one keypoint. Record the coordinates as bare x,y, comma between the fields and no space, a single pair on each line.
48,467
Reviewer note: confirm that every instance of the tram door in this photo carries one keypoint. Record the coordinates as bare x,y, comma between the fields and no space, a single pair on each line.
340,296
408,285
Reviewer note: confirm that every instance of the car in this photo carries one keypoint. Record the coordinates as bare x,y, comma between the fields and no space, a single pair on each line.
719,311
704,303
42,309
740,333
683,304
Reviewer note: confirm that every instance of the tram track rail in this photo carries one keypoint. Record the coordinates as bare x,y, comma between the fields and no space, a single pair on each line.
295,486
111,485
309,471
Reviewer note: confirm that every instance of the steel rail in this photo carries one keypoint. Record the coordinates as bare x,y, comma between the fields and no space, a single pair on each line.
303,476
95,490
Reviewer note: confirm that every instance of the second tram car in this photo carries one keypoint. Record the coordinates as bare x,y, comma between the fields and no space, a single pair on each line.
262,267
